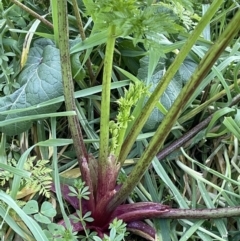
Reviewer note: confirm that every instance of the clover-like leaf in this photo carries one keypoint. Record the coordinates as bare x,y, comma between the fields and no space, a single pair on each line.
31,207
56,228
40,81
41,218
54,232
48,210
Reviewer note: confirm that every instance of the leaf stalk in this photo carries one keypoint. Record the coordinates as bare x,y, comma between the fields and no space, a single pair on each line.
228,212
105,105
68,90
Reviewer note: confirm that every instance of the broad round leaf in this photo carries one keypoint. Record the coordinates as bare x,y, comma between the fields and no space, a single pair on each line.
31,207
171,92
40,81
48,210
41,218
56,228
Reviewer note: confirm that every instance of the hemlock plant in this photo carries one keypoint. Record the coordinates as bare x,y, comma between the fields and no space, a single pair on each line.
132,19
98,197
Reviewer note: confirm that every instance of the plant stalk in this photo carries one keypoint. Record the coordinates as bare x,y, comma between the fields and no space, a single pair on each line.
161,87
202,213
105,106
54,9
68,90
162,132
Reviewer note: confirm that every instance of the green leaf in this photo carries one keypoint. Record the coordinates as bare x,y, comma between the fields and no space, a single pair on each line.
78,94
94,40
113,233
172,91
41,218
54,232
73,191
89,219
31,207
40,81
127,49
11,222
86,215
15,171
29,222
237,117
95,238
48,210
186,69
55,228
78,71
232,126
169,95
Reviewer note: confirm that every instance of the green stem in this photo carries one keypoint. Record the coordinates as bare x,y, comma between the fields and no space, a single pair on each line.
54,9
161,87
3,156
68,90
120,141
162,132
79,19
105,103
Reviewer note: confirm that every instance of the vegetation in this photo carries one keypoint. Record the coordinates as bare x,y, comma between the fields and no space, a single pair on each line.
119,118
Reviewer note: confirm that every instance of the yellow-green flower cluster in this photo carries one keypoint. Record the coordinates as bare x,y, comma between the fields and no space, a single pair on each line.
135,92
